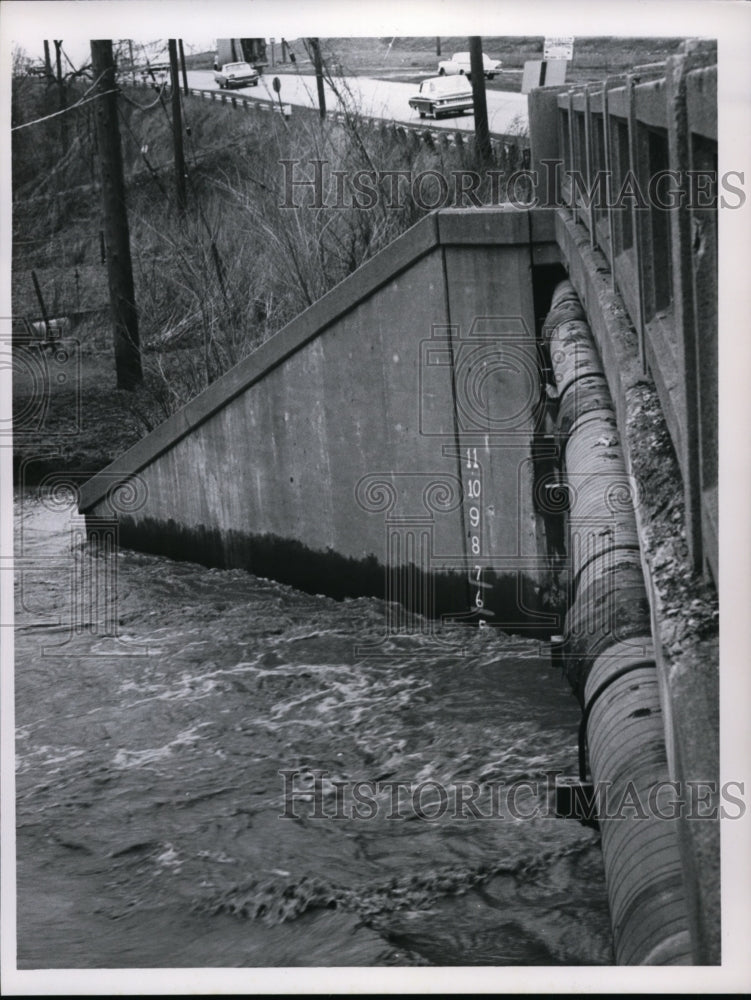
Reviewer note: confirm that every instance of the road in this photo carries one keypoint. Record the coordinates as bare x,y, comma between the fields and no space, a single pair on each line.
507,112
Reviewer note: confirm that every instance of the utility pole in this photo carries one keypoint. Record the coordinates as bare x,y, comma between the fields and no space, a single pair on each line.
437,45
482,132
47,62
182,65
117,238
177,128
61,95
315,51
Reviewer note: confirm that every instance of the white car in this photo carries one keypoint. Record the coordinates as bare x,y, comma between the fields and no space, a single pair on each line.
460,63
236,74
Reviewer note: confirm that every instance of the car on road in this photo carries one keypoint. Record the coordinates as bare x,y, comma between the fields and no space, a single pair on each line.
443,97
459,64
236,74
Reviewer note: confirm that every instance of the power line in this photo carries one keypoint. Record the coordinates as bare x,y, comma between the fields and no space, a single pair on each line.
160,97
94,84
63,111
152,170
76,71
145,107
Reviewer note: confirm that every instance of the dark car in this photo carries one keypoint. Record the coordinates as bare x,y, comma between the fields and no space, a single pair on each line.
443,96
236,74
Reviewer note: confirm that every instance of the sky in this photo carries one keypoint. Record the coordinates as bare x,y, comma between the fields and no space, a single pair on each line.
78,50
198,23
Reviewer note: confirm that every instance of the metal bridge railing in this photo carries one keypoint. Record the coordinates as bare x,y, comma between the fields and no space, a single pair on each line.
502,144
638,169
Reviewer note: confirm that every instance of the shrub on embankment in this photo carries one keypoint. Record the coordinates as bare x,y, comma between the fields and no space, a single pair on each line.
214,282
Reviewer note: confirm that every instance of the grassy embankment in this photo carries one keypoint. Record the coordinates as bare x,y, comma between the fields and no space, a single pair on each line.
211,285
411,59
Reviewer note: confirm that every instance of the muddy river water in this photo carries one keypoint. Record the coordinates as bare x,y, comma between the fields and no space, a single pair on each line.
154,828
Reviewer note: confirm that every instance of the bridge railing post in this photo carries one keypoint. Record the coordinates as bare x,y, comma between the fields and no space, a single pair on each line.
637,220
656,120
683,305
544,140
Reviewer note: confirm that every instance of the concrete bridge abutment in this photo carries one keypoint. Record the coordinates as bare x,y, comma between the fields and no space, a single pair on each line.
407,437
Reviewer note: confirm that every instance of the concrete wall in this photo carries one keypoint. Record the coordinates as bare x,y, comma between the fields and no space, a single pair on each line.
334,458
